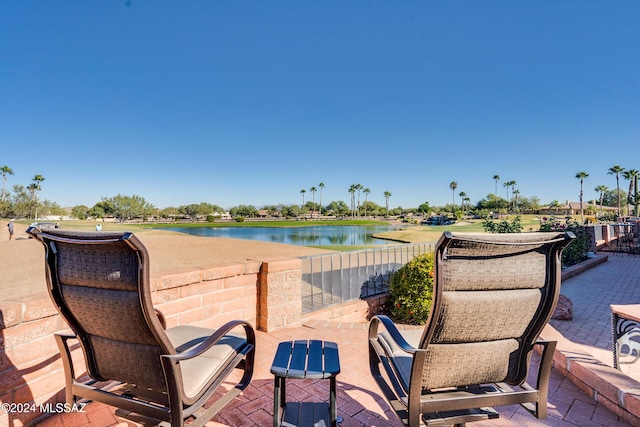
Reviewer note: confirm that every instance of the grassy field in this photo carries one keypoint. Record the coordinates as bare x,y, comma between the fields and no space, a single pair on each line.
430,233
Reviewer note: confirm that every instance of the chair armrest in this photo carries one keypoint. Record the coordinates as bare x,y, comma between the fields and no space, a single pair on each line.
161,318
214,338
393,331
66,335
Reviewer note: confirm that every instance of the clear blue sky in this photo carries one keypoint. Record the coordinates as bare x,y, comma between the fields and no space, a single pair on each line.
248,102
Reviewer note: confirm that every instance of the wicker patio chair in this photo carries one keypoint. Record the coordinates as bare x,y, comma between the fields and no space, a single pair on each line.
492,296
99,283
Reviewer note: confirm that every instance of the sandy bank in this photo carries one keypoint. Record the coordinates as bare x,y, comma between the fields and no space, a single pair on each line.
22,259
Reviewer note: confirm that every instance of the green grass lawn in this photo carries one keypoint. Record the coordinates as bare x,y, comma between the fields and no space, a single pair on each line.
430,233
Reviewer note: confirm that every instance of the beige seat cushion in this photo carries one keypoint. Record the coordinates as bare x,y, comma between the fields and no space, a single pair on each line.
199,371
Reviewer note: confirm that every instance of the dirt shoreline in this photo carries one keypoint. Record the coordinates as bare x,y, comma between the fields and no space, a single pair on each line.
22,275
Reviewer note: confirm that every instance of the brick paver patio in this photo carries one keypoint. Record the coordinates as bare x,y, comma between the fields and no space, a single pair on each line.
359,400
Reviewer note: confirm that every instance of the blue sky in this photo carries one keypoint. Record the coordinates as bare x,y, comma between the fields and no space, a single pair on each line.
248,102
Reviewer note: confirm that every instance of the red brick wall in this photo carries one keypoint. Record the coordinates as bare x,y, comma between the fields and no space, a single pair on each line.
30,366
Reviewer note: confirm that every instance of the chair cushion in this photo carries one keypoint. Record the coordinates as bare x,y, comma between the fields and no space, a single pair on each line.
201,370
444,362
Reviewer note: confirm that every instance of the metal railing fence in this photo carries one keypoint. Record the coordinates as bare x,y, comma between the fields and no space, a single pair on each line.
344,276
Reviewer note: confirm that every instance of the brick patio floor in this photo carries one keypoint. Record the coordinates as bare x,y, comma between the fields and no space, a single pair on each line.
359,400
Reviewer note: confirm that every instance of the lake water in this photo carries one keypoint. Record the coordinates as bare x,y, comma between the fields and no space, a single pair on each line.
305,236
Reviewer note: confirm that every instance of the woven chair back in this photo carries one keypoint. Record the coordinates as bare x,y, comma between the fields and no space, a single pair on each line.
493,294
100,283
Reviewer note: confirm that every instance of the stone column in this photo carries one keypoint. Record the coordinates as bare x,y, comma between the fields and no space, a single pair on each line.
279,293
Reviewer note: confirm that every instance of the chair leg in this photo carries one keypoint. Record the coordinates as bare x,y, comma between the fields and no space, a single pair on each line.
67,364
544,375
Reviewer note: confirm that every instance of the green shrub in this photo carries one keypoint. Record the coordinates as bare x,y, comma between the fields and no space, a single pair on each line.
577,249
411,290
608,217
503,226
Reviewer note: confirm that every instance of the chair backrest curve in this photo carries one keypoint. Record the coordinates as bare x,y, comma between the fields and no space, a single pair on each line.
99,282
493,294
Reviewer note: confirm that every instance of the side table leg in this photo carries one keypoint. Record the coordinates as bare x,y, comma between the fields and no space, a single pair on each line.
333,412
279,400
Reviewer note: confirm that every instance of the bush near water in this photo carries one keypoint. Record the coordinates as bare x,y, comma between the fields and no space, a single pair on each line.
411,290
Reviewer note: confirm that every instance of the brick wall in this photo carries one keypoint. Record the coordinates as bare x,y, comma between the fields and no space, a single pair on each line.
265,293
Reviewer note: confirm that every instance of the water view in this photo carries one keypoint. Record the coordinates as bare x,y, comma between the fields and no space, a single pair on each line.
305,236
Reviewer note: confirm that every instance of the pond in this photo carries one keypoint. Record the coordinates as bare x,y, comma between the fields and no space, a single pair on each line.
322,235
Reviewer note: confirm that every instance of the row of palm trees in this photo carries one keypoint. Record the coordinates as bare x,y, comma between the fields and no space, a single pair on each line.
355,204
453,185
34,188
629,174
632,176
463,196
313,191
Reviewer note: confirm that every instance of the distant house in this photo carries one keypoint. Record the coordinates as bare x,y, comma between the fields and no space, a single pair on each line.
573,208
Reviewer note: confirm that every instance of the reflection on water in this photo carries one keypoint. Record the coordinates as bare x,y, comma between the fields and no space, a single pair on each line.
305,236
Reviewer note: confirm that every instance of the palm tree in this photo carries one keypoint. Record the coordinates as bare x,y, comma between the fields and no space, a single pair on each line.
366,192
581,176
359,187
462,195
453,185
496,178
555,204
302,192
386,198
352,191
6,170
513,193
615,170
313,193
601,189
37,180
321,186
506,185
629,174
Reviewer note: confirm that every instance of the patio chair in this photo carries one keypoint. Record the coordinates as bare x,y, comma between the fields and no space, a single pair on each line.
492,296
99,283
